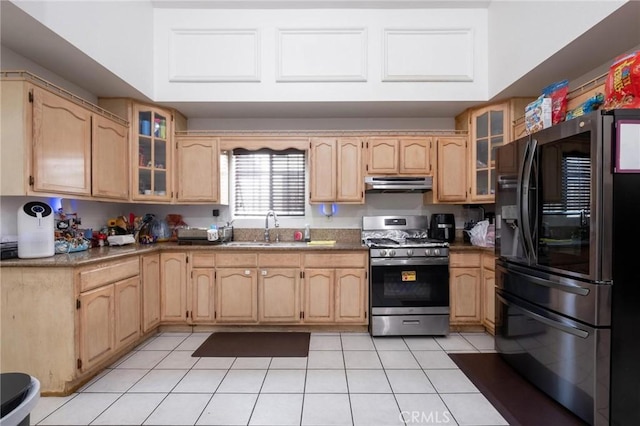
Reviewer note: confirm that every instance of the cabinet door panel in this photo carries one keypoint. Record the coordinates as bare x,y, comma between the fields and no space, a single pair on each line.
465,295
202,295
415,156
351,295
350,177
61,145
236,295
319,294
452,164
173,290
489,297
127,311
96,325
198,165
279,295
322,159
152,154
110,159
150,291
383,156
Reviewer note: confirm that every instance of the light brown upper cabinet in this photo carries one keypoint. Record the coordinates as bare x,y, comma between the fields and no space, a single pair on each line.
198,169
405,156
61,145
450,184
336,170
151,132
54,143
110,159
489,127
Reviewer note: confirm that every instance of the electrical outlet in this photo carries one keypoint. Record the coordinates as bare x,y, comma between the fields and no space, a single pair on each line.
216,212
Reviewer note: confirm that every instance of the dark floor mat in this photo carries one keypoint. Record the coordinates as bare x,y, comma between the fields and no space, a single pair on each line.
255,344
517,400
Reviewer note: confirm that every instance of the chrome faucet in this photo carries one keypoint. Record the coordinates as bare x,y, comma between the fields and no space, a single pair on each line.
266,226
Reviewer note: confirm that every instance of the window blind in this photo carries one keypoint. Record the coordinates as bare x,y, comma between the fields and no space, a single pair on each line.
576,183
269,180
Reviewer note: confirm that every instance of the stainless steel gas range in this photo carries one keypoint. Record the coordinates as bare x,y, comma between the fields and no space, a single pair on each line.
409,277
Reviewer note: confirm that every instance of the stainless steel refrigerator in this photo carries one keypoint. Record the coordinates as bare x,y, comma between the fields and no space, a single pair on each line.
567,275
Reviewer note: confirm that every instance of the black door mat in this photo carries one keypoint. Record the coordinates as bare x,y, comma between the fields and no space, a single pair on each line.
515,398
255,344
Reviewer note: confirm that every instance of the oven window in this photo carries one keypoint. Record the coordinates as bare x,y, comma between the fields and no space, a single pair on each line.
409,286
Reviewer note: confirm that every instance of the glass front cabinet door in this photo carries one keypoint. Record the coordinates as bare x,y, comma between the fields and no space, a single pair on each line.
152,154
489,127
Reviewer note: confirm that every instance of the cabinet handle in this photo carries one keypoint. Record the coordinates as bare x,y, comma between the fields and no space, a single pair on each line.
263,272
247,272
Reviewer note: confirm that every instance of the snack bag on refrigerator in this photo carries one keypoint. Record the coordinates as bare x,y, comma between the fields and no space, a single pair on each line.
622,87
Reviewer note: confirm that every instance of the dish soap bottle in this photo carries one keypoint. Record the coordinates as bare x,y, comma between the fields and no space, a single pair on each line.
307,233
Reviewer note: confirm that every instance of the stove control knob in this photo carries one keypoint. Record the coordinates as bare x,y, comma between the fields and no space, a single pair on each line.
383,252
437,252
428,252
392,253
410,252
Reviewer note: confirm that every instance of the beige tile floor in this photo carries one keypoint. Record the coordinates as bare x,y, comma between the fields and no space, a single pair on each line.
347,379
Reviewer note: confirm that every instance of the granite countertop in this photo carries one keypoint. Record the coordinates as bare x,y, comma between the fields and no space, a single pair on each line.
460,245
102,254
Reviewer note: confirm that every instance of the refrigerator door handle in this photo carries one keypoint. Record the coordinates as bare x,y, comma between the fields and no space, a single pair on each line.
551,323
569,288
519,195
526,207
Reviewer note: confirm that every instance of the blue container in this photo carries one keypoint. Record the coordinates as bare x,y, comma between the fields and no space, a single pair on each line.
145,127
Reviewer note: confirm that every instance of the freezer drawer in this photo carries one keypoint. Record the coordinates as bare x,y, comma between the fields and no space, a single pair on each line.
564,358
585,301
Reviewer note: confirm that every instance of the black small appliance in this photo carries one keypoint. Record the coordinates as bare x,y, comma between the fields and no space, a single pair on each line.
443,227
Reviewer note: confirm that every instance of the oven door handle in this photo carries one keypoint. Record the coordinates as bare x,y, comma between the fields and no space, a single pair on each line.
551,323
422,261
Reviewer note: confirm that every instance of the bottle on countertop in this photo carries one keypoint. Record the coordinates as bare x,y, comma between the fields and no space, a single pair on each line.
307,233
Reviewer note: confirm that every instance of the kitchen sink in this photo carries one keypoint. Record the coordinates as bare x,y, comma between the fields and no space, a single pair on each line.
264,244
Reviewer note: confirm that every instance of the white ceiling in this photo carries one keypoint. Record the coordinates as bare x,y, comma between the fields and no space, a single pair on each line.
617,33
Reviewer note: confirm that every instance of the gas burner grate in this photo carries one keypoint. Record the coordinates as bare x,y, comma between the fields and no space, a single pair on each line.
383,242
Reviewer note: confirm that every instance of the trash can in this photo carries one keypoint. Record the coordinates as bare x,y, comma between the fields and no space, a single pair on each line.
19,393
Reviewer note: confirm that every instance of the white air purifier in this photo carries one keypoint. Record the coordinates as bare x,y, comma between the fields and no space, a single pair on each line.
35,230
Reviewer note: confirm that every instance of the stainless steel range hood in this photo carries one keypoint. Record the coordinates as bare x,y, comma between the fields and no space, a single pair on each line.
397,184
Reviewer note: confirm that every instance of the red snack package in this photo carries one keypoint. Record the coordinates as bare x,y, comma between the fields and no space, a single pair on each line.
558,93
622,87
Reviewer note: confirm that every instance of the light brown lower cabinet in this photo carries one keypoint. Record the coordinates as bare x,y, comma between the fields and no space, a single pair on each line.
150,269
237,295
472,289
97,325
108,309
318,295
489,292
173,287
202,295
335,288
464,286
279,295
127,311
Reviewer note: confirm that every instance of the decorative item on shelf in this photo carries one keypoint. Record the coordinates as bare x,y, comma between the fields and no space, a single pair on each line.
145,127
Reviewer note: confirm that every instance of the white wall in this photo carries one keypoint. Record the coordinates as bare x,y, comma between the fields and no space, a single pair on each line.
118,35
323,55
378,123
93,214
10,60
522,34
